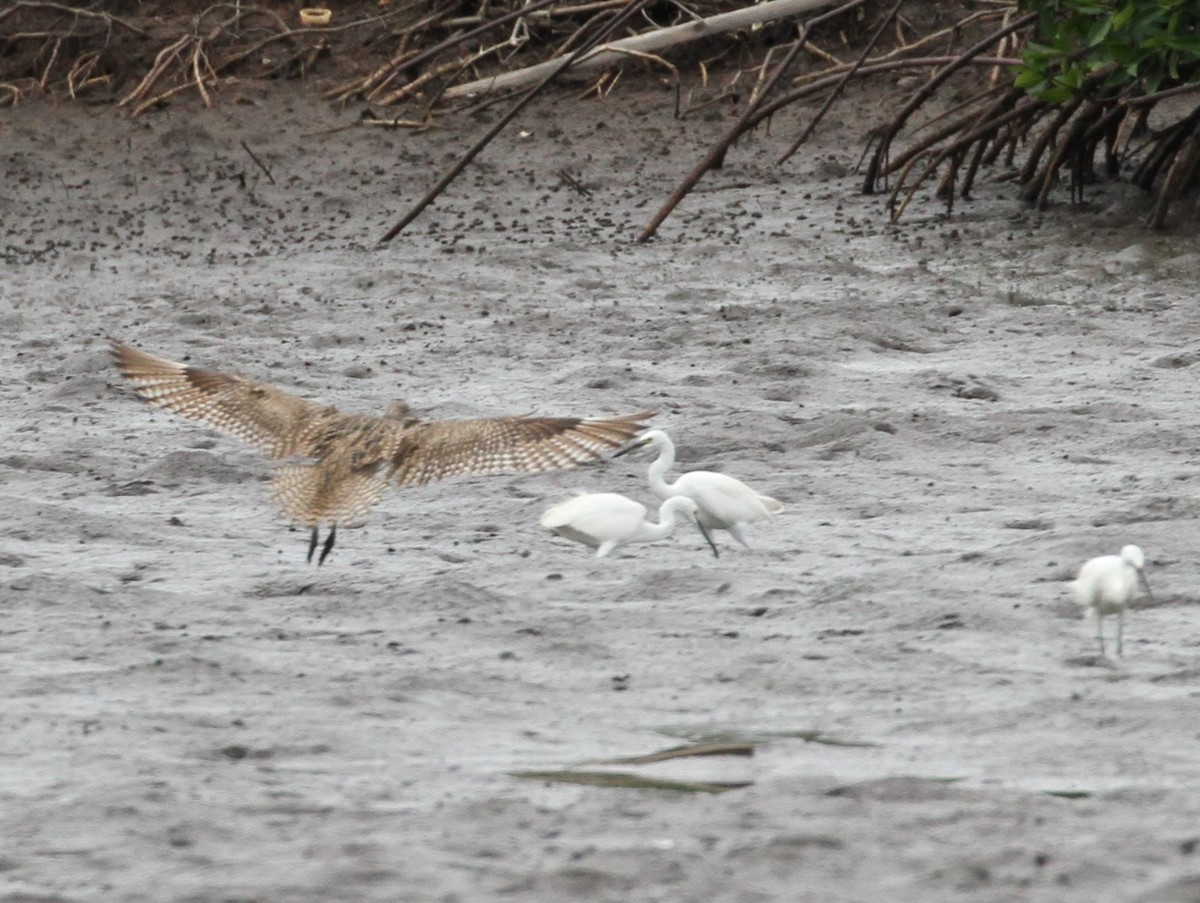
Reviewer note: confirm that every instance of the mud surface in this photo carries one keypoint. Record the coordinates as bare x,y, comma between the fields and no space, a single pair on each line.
956,414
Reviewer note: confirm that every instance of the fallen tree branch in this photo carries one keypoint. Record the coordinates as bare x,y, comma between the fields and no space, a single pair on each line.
658,39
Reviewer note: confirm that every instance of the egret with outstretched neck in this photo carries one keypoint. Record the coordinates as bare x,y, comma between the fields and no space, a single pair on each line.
723,502
606,520
1107,583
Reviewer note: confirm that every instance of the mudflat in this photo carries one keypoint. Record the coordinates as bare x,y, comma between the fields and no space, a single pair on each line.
955,411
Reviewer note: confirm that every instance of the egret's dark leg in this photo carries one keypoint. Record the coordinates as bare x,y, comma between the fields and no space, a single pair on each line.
328,547
312,545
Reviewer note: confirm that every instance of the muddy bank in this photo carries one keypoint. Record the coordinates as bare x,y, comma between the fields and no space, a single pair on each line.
956,414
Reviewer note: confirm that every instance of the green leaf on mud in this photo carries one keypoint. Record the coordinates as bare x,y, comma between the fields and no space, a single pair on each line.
683,752
629,781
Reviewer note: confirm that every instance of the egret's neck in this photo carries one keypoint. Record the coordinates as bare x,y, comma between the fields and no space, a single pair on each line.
665,525
658,470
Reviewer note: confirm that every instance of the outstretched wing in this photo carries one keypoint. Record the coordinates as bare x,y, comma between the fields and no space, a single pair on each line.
277,423
435,450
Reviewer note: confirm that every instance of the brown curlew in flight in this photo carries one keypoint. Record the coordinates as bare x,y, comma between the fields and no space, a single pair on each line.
343,462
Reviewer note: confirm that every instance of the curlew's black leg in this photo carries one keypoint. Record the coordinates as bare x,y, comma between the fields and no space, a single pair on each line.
328,547
312,545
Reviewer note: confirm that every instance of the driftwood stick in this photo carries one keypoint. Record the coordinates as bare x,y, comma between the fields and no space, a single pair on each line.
632,8
657,39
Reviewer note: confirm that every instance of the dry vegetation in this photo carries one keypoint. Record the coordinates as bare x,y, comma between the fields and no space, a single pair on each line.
410,62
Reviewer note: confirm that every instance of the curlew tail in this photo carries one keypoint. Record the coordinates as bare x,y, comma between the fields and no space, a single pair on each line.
347,460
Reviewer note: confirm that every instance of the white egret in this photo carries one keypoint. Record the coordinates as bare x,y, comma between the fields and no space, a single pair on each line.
1106,584
605,520
724,503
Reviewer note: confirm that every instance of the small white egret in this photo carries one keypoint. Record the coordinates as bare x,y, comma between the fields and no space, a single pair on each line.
605,520
1106,584
724,502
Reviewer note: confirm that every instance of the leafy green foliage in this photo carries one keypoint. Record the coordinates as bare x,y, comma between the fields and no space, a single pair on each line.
1142,44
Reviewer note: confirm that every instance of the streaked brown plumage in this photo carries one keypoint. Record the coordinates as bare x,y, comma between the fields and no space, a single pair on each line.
353,457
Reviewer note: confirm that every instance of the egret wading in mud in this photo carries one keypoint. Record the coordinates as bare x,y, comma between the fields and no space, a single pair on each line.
723,503
337,465
606,520
1106,584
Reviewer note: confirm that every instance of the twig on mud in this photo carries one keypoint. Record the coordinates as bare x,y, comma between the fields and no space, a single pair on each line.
261,165
369,118
577,186
631,8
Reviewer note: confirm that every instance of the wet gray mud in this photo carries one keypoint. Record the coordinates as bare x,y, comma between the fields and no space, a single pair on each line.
955,411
